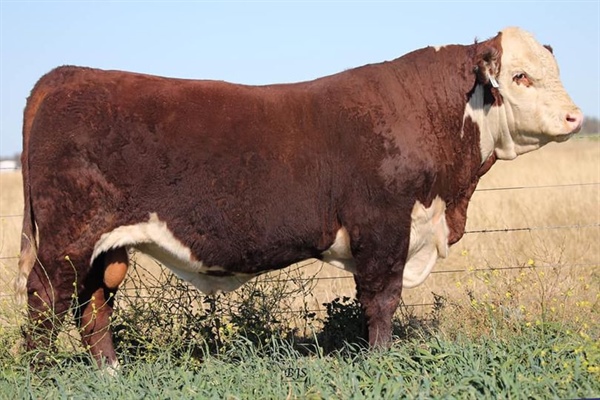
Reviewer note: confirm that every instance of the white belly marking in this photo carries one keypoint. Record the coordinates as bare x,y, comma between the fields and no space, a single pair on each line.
428,241
156,240
339,254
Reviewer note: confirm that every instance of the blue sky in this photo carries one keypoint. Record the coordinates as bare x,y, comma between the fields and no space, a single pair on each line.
266,42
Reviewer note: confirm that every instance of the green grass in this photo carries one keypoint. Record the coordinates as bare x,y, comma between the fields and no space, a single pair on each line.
538,363
480,343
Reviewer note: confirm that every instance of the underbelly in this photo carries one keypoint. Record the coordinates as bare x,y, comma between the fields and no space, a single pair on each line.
428,241
154,239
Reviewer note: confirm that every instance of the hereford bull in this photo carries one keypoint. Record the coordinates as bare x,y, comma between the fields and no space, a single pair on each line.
370,170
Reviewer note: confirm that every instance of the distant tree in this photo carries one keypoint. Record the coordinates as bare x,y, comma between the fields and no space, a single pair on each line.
590,125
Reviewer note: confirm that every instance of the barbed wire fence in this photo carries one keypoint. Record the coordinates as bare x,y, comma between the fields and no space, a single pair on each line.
592,261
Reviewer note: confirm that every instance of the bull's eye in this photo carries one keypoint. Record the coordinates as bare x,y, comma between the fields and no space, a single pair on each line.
521,78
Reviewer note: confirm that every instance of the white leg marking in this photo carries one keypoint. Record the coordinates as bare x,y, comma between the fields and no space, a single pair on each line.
112,369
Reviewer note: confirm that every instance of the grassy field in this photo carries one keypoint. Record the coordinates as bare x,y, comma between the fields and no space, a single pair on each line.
512,313
537,367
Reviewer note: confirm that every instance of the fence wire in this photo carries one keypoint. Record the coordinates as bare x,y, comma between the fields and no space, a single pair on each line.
564,186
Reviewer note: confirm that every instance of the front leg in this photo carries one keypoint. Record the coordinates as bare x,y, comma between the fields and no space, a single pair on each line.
379,242
379,296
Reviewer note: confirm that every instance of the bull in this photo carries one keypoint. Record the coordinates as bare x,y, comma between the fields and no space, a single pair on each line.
370,170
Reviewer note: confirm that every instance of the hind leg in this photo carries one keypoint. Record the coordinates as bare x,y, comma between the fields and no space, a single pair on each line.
50,287
95,304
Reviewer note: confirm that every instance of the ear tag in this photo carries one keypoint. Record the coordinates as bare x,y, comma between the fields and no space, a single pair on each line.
494,82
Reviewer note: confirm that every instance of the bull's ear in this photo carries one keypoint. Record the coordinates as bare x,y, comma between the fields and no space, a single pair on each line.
549,48
488,66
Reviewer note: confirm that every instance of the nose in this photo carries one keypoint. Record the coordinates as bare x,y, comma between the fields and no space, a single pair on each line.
574,121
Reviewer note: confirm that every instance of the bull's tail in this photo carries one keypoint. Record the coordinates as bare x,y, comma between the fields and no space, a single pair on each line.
28,247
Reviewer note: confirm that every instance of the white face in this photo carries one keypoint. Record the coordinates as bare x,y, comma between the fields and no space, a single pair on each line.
538,109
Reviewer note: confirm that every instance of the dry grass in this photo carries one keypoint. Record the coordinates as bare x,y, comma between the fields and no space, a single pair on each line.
11,210
575,251
564,246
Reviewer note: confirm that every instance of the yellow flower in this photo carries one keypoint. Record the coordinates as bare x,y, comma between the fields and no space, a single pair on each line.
584,335
464,253
508,295
530,262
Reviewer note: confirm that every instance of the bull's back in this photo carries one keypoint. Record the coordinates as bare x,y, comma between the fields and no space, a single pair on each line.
83,106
